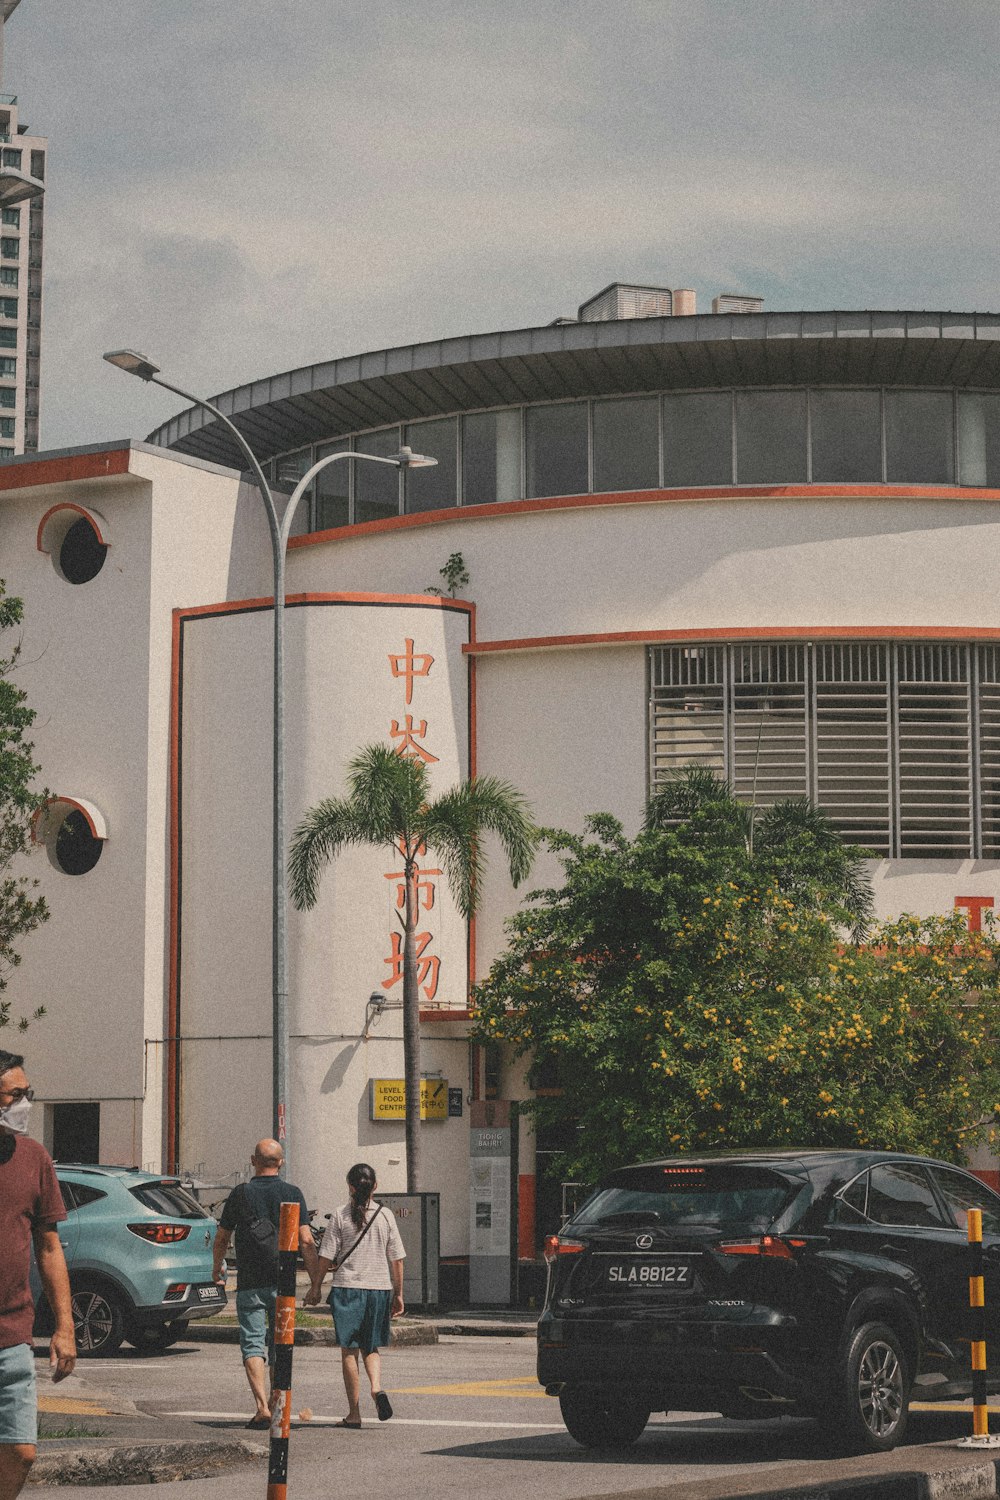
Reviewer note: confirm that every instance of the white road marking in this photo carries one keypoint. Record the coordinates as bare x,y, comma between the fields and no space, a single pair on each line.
236,1416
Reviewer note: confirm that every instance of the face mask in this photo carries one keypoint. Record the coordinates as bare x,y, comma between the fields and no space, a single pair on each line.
15,1116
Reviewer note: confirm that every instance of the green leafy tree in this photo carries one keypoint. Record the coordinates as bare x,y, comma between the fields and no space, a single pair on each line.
389,804
21,908
693,988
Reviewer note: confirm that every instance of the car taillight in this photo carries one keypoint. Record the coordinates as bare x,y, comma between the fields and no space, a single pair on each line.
554,1246
175,1291
161,1234
765,1244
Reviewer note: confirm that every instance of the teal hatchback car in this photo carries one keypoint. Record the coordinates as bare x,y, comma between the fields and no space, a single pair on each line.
138,1247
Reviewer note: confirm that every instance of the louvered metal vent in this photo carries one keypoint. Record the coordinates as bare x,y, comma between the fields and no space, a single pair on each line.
899,743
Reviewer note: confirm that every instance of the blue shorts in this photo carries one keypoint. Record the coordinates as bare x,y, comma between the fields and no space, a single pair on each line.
18,1402
255,1314
361,1317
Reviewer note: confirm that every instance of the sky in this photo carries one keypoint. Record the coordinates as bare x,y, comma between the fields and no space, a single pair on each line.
240,187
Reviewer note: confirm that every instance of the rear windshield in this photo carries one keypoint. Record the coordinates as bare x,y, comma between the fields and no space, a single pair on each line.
169,1198
744,1197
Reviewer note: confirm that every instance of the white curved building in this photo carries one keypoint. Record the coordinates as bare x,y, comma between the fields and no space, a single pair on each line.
762,542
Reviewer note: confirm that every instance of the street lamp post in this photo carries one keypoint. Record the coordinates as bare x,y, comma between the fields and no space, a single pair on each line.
280,530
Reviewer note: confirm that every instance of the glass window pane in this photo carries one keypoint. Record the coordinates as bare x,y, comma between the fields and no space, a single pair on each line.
961,1193
918,437
491,457
698,439
770,437
627,444
979,439
901,1194
376,486
846,436
433,489
332,488
556,438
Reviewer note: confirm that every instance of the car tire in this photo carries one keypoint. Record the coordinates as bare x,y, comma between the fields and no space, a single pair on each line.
98,1320
597,1419
870,1409
155,1336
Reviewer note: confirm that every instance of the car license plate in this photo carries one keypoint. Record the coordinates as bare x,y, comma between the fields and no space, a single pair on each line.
672,1275
209,1293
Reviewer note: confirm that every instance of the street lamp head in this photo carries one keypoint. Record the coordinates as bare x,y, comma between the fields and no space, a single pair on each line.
407,459
132,363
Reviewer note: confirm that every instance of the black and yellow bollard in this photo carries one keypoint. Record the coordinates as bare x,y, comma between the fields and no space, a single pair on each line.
977,1305
284,1344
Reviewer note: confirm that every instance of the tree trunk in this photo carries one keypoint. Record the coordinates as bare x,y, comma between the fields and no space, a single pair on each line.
411,1032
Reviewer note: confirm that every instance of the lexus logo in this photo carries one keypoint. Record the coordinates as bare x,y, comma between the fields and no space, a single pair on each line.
643,1241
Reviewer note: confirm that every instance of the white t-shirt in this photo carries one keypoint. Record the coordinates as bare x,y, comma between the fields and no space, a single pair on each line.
368,1265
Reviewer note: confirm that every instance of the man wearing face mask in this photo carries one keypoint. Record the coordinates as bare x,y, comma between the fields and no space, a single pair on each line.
30,1208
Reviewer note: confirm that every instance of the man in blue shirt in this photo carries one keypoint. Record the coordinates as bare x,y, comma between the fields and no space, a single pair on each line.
250,1208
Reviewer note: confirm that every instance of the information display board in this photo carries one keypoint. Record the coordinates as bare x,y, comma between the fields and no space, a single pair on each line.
387,1099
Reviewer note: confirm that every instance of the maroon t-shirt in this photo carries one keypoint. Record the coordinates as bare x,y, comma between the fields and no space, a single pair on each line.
29,1196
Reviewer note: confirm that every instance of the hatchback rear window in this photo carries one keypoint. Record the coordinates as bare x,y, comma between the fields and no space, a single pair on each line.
169,1198
707,1197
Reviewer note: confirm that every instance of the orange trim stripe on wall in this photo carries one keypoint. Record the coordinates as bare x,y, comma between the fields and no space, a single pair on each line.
930,492
68,469
741,633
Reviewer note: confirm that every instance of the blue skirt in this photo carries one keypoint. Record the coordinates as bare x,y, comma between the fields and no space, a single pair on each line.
360,1317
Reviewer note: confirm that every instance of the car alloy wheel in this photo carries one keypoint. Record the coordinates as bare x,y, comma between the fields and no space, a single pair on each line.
880,1389
97,1321
875,1387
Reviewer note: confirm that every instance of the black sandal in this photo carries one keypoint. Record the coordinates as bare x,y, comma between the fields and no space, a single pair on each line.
382,1405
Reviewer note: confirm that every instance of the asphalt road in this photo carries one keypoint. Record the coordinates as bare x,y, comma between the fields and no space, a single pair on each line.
470,1422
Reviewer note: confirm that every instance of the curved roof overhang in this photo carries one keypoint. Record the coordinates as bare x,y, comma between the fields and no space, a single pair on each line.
565,360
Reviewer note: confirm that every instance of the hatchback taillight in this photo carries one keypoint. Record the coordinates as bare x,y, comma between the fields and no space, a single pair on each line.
764,1244
161,1234
554,1247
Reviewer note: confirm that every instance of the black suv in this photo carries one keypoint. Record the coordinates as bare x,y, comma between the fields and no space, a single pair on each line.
831,1284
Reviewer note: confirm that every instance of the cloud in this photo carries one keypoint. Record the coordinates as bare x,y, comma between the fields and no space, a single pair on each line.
248,187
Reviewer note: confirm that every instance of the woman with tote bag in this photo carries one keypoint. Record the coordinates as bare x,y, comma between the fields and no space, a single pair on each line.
363,1247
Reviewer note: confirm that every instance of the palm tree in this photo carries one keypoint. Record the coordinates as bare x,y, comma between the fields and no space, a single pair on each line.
791,840
389,803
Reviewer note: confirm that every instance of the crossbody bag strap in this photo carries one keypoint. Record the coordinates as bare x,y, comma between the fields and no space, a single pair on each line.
360,1237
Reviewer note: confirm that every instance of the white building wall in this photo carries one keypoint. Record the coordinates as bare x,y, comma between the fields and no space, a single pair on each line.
96,664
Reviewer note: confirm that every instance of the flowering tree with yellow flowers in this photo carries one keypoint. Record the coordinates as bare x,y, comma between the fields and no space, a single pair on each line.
694,988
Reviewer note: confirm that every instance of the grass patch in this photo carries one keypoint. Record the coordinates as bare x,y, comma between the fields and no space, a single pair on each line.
302,1320
71,1430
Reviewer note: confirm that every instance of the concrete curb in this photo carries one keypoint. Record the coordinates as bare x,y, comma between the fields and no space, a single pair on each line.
488,1330
971,1479
324,1338
141,1463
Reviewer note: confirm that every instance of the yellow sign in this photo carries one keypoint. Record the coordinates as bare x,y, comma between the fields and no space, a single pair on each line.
387,1098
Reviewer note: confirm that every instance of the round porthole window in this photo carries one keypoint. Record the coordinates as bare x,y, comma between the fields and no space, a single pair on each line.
77,849
82,554
76,539
72,831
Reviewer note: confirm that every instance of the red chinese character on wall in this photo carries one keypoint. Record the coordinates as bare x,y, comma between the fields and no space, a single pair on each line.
408,737
975,906
428,967
423,886
404,664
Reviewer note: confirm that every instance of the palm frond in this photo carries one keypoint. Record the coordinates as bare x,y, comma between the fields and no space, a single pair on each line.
454,825
698,798
323,832
388,792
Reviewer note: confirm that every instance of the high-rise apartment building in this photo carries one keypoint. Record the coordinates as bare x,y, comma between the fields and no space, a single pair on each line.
22,196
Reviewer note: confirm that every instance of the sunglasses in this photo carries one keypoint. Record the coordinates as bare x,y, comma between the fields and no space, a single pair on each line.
15,1095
